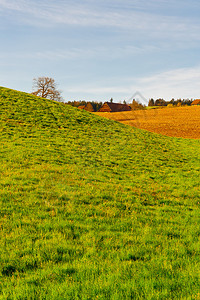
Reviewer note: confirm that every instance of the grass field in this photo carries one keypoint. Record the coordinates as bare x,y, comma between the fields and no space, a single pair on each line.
176,121
93,209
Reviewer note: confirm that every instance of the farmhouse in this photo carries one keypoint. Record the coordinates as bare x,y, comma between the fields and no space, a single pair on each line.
196,102
114,107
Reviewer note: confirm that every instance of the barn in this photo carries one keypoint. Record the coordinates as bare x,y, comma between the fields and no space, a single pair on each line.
114,107
196,102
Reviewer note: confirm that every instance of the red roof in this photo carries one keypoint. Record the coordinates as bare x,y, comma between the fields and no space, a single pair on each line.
196,102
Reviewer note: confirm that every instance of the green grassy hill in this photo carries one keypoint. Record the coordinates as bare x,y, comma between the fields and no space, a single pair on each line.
94,209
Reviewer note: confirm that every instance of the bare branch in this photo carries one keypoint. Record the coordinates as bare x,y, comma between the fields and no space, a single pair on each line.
45,87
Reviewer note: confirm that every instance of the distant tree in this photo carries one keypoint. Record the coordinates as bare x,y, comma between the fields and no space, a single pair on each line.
111,100
96,105
124,102
170,104
172,101
136,105
187,102
160,102
46,87
151,102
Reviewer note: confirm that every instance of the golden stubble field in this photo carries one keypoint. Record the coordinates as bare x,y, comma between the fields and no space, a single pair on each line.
176,121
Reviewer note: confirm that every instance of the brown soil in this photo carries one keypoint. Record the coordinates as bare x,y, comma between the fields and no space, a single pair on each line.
176,121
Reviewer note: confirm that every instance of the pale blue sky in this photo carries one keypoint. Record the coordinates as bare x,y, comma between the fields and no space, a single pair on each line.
98,49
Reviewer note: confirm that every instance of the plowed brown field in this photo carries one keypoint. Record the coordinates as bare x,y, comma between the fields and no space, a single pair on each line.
176,121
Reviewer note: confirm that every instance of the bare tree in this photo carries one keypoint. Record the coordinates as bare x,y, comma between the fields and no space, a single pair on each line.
46,87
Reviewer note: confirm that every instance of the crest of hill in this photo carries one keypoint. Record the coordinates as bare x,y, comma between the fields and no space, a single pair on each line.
21,108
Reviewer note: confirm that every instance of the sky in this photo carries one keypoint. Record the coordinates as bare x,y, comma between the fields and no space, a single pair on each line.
102,49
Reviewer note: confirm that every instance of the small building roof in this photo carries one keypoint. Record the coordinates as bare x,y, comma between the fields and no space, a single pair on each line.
89,107
196,102
114,107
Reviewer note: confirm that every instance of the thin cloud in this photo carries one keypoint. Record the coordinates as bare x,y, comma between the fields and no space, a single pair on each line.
179,83
11,5
103,52
80,53
138,21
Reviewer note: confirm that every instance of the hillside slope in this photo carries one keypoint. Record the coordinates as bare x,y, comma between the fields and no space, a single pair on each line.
91,208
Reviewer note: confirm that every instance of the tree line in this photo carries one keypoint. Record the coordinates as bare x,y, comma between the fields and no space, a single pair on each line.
172,102
96,105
